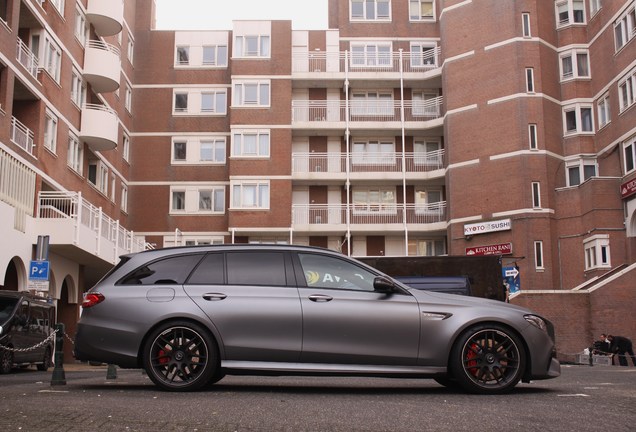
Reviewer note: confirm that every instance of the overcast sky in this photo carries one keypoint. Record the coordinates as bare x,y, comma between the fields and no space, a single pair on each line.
219,14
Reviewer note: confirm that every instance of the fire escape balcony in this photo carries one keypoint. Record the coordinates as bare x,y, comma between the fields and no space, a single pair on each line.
102,66
99,127
107,16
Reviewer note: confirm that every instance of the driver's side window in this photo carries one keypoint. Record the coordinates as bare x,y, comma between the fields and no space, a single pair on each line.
331,272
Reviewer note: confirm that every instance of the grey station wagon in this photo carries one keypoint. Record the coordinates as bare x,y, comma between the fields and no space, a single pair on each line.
191,315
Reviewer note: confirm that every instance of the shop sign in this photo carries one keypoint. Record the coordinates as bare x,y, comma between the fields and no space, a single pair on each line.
628,189
497,249
486,227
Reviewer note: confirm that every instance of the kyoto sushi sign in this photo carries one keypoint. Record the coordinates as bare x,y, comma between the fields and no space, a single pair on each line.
486,227
497,249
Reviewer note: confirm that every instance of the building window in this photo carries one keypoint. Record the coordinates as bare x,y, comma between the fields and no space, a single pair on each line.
532,136
627,91
371,55
250,195
371,103
430,202
183,56
423,55
538,255
629,152
250,144
212,200
625,28
212,151
428,152
215,55
128,98
254,93
570,12
214,102
4,12
50,131
575,64
252,46
198,150
130,48
98,175
373,152
59,6
52,58
78,88
180,102
525,24
81,26
603,110
536,195
125,148
374,200
577,119
370,10
421,10
124,198
597,252
75,154
580,170
177,200
199,199
427,247
179,151
595,6
530,80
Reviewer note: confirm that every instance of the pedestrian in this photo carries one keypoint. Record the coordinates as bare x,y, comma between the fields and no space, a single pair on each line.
603,345
622,346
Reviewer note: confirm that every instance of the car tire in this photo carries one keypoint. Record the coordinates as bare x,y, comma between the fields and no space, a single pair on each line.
488,359
46,361
6,361
180,356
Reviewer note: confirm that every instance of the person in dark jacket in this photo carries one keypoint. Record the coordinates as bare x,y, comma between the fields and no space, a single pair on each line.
622,346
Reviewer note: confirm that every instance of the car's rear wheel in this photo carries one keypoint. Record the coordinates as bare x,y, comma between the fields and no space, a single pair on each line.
46,361
488,359
180,356
6,361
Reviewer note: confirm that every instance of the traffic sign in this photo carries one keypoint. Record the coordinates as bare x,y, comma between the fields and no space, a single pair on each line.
39,271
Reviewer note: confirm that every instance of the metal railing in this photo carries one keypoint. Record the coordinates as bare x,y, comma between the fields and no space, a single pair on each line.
322,62
71,205
365,111
17,188
330,163
101,45
22,135
368,214
26,58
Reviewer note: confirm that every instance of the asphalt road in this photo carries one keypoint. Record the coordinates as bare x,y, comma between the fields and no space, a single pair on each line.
583,399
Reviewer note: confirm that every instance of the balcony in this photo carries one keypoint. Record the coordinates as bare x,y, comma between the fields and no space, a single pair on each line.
368,217
22,136
327,114
102,66
81,231
107,16
379,166
27,59
99,127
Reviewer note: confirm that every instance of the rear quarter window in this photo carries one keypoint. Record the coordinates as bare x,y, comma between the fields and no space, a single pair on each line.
167,271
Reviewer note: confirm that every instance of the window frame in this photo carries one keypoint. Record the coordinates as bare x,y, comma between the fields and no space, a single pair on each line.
533,136
75,154
576,72
365,13
262,149
262,194
580,165
530,86
50,131
603,111
539,259
597,252
570,12
101,175
526,29
627,91
625,25
629,155
239,92
420,17
192,147
263,43
81,27
578,117
536,195
374,54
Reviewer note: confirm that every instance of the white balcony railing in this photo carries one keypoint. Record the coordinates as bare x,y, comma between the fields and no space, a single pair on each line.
26,58
17,188
365,111
22,135
88,218
367,214
321,62
335,163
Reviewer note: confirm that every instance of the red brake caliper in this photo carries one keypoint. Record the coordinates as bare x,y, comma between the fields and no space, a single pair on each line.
163,358
471,364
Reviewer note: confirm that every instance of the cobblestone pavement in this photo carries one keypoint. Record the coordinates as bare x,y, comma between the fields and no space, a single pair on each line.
575,402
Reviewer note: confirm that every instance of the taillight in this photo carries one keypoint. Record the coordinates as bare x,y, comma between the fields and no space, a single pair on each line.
91,299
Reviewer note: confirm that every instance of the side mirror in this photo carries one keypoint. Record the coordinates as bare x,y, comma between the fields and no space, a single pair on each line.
383,285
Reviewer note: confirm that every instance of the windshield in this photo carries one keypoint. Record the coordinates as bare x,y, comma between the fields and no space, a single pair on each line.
6,308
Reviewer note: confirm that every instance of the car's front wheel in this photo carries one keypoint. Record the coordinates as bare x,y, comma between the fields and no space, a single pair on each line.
6,361
180,356
488,359
46,361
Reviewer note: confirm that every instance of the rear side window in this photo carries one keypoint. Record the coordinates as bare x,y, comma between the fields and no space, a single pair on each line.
173,270
256,268
211,271
6,308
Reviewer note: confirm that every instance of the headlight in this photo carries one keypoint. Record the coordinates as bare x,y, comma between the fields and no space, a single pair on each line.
537,321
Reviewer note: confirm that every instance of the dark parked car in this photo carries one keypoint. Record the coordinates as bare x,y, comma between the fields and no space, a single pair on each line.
25,322
191,315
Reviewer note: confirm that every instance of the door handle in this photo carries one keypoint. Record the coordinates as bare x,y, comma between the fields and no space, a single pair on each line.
214,296
320,298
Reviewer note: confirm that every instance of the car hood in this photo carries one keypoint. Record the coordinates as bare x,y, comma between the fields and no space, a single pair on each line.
430,297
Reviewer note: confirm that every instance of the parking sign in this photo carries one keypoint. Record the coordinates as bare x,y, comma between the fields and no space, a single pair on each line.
39,271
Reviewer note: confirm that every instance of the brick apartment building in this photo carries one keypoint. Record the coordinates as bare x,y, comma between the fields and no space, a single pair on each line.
408,127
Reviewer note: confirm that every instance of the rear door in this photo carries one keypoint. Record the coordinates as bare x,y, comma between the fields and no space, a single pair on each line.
251,299
345,321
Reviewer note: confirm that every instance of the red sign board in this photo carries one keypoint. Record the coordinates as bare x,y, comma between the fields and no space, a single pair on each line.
628,189
498,249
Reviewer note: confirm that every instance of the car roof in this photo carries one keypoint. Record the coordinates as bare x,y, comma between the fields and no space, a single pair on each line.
23,294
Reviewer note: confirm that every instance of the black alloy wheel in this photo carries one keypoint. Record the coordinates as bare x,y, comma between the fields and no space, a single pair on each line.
6,361
180,356
488,360
46,361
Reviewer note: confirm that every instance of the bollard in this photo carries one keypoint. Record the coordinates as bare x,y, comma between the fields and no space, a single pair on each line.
58,377
111,372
